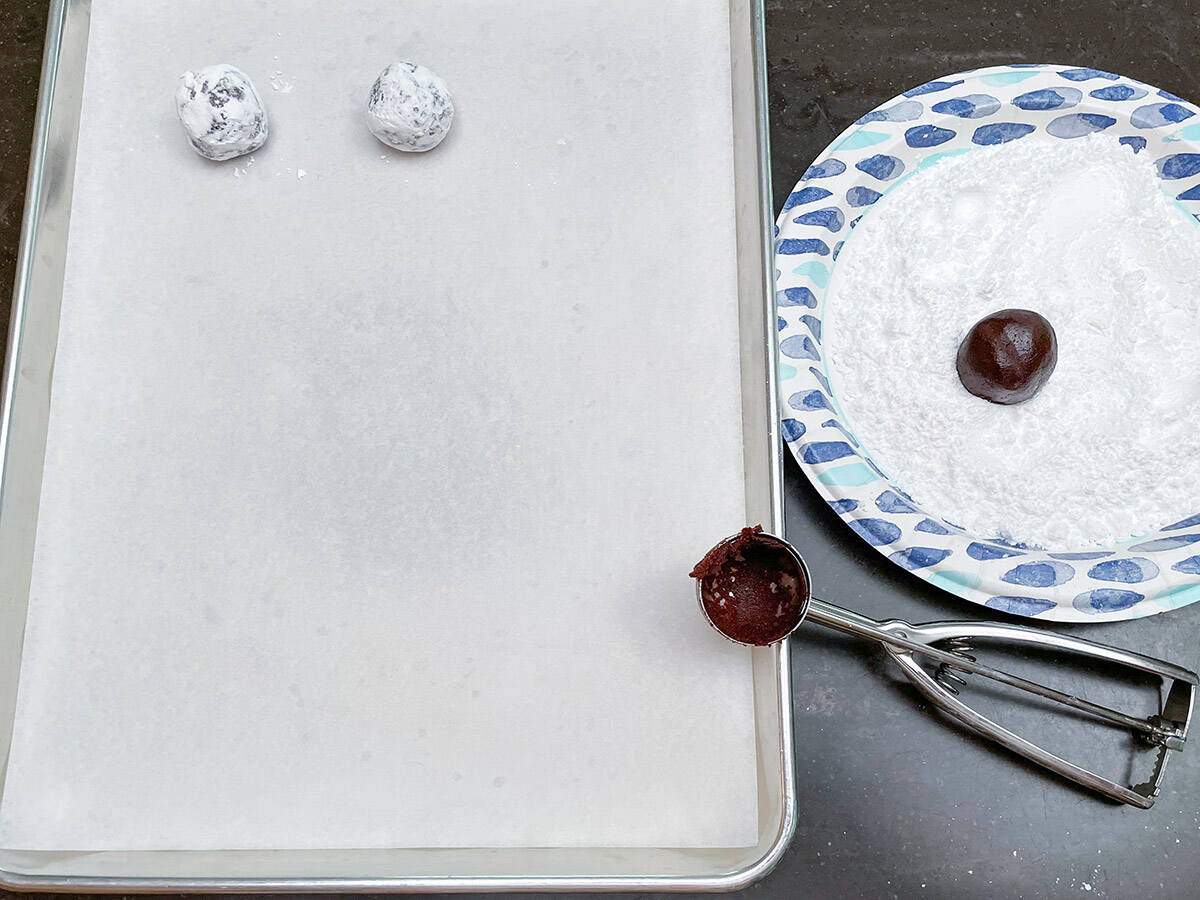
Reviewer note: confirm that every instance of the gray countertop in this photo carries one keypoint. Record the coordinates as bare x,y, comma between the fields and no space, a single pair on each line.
895,802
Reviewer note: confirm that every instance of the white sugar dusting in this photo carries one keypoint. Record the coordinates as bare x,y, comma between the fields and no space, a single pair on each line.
281,83
221,112
1080,232
409,108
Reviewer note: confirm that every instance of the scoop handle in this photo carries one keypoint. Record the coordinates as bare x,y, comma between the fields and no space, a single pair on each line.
904,642
952,706
900,637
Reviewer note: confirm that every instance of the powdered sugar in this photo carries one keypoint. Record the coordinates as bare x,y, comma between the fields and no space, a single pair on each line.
281,83
409,108
1080,232
221,112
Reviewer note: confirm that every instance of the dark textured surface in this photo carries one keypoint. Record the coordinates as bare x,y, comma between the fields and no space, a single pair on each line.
22,25
830,62
893,802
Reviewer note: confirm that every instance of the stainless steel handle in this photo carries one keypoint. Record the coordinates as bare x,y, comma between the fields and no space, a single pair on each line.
954,707
905,642
897,635
942,631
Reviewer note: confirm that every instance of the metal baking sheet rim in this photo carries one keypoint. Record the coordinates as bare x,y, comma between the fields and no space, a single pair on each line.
26,393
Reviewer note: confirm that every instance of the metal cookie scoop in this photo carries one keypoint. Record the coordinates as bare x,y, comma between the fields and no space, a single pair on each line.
754,588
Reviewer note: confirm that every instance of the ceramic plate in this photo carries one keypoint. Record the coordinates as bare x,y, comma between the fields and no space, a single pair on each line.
1145,575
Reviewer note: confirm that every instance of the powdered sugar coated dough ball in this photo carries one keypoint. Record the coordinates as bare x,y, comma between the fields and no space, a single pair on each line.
409,108
221,112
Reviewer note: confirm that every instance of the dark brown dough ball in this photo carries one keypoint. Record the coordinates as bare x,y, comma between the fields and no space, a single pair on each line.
1007,357
752,590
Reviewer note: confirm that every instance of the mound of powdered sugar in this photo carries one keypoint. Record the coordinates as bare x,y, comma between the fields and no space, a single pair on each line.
1080,232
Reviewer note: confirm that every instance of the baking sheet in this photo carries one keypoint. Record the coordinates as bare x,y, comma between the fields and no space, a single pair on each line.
370,478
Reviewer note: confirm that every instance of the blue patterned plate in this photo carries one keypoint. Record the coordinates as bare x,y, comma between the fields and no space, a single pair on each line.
1140,577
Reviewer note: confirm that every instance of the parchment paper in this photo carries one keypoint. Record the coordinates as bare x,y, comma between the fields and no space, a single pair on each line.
373,479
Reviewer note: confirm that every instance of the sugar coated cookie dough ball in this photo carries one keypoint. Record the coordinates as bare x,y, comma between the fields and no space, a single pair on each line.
221,112
409,108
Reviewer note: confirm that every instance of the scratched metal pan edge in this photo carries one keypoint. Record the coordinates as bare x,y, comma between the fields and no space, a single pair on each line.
23,423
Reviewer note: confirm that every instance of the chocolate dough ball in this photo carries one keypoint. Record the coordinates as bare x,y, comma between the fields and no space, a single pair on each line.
1007,357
